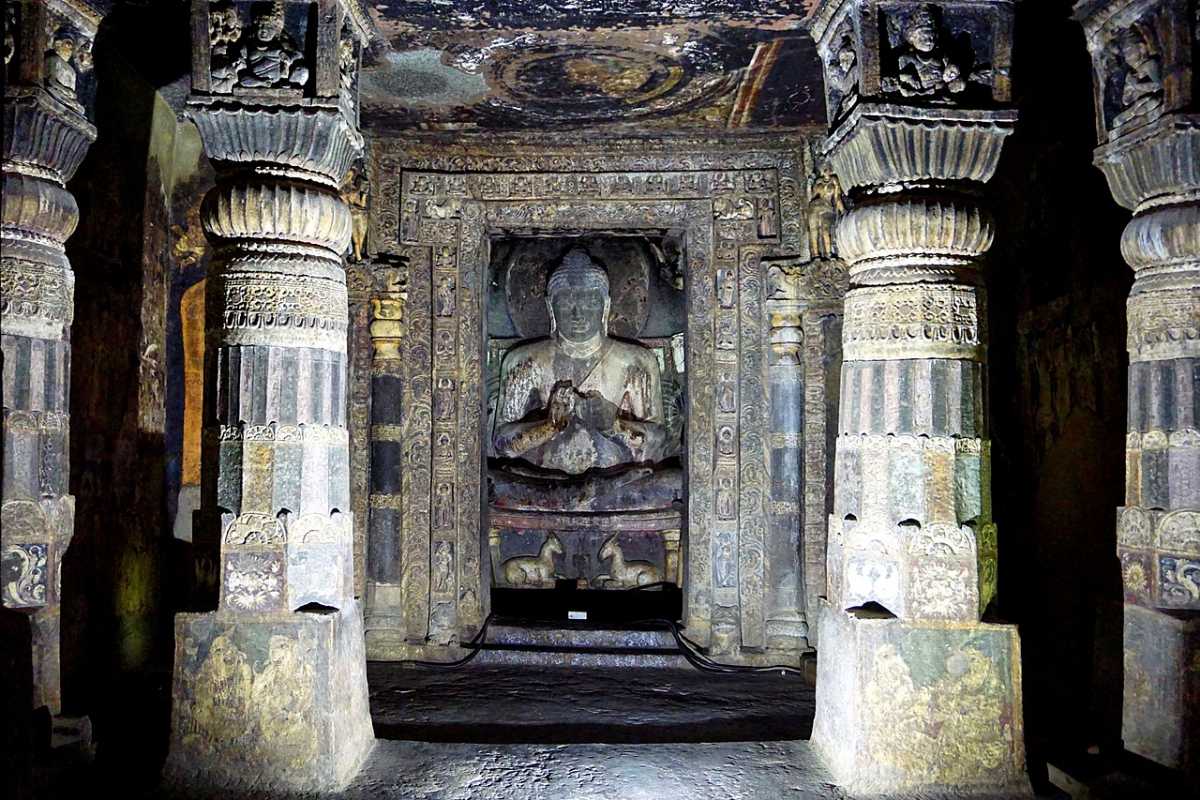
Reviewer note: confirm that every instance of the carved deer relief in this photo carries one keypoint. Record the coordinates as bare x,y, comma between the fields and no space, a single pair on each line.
534,570
625,573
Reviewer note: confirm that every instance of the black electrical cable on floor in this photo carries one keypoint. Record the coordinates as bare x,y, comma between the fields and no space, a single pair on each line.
691,652
475,645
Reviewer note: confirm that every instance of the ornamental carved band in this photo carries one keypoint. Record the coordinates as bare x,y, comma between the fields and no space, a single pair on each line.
1148,131
274,98
917,96
48,90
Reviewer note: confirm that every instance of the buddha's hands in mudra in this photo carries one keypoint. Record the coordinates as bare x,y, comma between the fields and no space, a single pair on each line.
562,405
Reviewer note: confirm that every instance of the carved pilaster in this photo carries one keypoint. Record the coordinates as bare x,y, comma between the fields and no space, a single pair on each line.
273,98
46,135
918,95
1148,126
384,604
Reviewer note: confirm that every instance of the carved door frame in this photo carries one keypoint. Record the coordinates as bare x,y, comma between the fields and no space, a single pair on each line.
443,223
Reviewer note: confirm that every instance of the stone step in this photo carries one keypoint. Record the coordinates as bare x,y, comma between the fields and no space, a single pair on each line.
566,644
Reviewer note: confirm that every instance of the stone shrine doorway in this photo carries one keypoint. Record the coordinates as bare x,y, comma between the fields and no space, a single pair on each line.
753,325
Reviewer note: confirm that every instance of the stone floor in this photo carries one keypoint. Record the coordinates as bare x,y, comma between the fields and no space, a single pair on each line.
554,705
527,733
542,733
750,770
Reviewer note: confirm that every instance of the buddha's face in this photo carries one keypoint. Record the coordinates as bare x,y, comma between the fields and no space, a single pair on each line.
579,313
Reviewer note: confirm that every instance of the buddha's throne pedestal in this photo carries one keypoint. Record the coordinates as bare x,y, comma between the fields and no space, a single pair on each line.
616,550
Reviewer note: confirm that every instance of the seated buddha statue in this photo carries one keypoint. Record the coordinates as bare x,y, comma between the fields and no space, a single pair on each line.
579,417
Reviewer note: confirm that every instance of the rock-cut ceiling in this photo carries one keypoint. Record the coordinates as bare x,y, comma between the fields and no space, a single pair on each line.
535,64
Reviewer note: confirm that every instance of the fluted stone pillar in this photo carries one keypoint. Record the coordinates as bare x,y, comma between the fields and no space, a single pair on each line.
270,689
1149,132
46,136
913,692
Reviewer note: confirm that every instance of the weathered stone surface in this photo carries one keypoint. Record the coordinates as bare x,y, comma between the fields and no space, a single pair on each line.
920,707
269,701
1161,713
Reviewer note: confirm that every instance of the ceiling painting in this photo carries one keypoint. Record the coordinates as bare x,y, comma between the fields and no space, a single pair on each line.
496,65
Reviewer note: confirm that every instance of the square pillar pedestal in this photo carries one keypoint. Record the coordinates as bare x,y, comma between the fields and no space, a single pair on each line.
269,702
925,707
1161,714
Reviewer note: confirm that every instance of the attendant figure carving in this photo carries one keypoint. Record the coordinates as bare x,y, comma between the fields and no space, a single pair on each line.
726,395
825,207
356,193
60,77
445,297
725,287
580,414
266,59
347,62
1142,87
224,31
923,68
443,508
843,78
443,568
724,566
10,33
726,502
443,399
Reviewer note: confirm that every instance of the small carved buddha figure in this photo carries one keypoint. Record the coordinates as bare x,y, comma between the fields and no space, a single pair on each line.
582,411
1142,92
60,75
269,59
923,70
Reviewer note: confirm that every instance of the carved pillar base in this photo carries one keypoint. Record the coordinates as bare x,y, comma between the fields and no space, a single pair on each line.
1161,715
920,706
270,702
